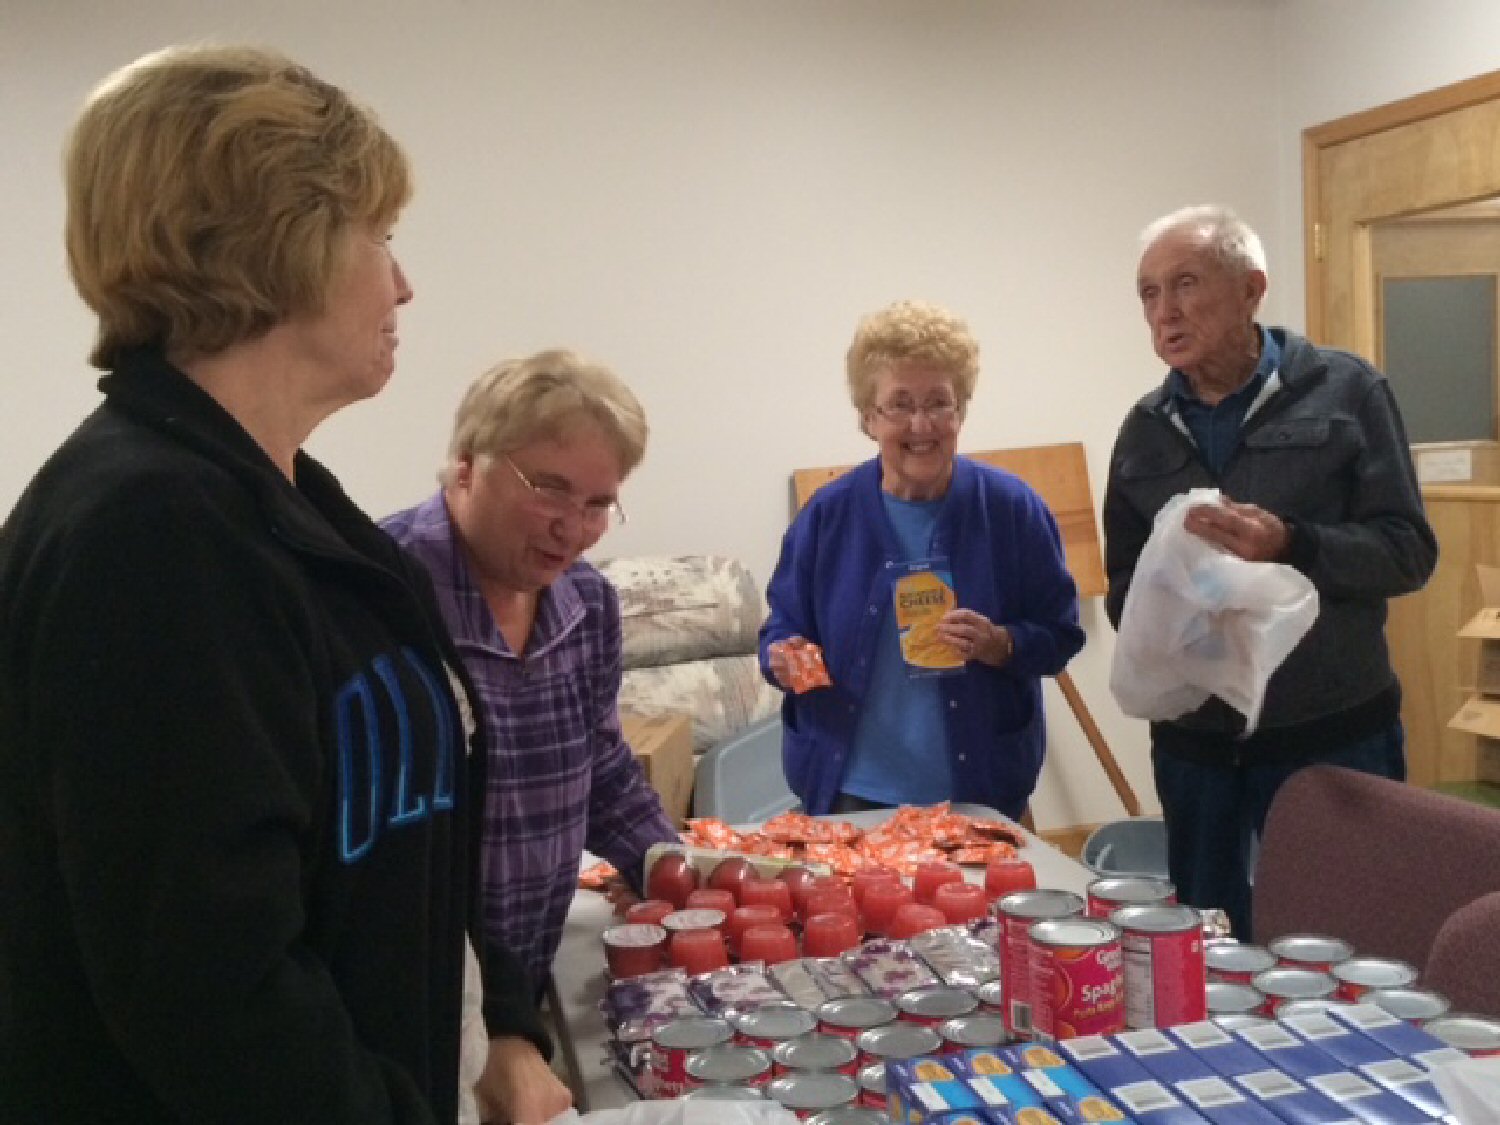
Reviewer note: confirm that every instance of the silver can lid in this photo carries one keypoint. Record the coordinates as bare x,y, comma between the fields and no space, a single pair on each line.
872,1078
849,1115
1375,972
725,1093
899,1041
814,1051
813,1090
1047,902
1317,949
1131,889
774,1021
727,1062
1415,1004
1076,932
981,1030
1237,957
1295,984
692,1032
1157,918
937,1003
1466,1032
1225,999
857,1011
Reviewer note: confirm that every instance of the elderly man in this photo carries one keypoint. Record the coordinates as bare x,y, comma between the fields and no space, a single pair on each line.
1308,449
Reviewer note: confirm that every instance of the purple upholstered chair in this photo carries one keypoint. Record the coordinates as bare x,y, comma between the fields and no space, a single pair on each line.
1385,866
1464,964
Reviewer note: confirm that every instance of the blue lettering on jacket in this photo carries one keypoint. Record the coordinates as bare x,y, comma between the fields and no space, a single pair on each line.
367,747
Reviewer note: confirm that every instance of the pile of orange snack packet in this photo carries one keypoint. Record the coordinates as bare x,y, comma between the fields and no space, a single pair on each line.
804,664
911,836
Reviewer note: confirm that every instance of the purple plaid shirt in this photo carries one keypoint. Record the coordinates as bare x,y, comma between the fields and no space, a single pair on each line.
561,776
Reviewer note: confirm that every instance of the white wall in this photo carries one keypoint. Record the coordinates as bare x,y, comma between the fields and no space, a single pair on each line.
706,195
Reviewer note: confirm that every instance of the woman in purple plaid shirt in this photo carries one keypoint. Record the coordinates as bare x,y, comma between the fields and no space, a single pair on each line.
539,450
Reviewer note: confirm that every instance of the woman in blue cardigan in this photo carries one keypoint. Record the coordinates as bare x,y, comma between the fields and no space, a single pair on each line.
919,532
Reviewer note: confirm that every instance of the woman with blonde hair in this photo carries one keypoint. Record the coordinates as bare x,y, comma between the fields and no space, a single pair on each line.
235,783
934,586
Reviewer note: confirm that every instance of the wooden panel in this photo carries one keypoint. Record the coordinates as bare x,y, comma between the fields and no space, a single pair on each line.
1437,668
1060,475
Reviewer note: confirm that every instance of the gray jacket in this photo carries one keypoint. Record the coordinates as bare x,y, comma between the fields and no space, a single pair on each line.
1323,448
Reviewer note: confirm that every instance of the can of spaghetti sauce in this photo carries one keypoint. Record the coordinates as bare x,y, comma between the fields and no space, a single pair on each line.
1016,913
1077,980
1166,981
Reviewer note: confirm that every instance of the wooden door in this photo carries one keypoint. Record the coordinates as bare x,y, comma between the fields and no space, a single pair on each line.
1425,153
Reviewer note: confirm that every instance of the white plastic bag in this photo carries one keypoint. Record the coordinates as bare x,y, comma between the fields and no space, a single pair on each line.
1199,621
684,1112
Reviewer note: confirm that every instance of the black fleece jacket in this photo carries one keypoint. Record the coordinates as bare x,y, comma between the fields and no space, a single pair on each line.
236,801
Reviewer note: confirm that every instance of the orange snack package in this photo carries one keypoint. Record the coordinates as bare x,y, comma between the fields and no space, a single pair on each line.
805,662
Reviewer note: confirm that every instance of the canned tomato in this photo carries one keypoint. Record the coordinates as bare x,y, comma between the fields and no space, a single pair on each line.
871,1081
671,1045
1236,962
849,1115
897,1041
850,1015
932,1006
1414,1005
1478,1036
1358,975
767,1026
726,1094
729,1064
964,1033
815,1051
1224,998
1165,983
1310,951
634,949
1077,980
1109,894
991,997
1016,913
807,1092
1280,985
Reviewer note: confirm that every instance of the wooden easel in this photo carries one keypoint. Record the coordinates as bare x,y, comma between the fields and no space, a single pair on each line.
1060,475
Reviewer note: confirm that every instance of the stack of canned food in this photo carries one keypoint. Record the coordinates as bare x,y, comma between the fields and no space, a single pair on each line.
1302,973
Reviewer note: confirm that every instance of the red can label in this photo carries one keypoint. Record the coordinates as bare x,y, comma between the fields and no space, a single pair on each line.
1077,979
669,1076
1017,913
1166,982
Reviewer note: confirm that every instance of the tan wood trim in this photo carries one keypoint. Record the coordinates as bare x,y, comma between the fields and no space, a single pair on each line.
1418,107
1475,493
1312,212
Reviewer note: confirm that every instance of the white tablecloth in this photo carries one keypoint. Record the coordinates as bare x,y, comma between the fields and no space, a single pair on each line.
581,978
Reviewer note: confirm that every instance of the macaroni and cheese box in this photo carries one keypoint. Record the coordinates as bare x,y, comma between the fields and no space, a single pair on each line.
1291,1101
1151,1103
1357,1095
1224,1052
1395,1035
1193,1079
1223,1103
923,593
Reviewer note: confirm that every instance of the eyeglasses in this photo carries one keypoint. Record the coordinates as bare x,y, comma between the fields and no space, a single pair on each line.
902,412
561,503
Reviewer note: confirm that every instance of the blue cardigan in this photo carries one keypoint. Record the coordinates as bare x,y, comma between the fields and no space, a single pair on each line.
832,585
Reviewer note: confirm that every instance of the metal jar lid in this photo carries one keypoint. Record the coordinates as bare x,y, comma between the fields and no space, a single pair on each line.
813,1090
1237,957
774,1021
814,1051
1225,999
1413,1004
1157,918
1047,902
1131,889
1475,1034
692,1033
899,1041
1313,949
1076,932
1295,984
937,1003
727,1062
857,1012
849,1115
725,1093
1375,972
983,1030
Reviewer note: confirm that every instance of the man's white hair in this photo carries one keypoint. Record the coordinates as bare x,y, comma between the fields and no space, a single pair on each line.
1227,235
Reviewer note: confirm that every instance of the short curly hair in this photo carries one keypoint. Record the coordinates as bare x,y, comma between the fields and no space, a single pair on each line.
543,396
211,191
907,332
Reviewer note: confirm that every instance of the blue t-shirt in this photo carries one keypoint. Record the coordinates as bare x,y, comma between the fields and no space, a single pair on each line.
900,752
